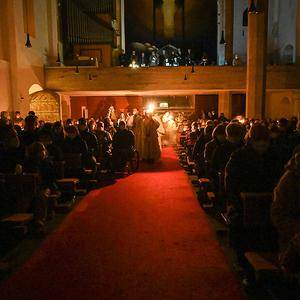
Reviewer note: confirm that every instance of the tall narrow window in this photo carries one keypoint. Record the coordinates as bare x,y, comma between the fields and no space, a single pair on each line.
245,17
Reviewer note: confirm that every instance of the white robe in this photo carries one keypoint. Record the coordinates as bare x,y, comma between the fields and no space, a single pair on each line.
137,130
151,149
160,130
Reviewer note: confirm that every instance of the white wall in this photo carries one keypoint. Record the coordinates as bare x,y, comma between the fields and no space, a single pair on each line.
287,26
282,29
240,34
21,66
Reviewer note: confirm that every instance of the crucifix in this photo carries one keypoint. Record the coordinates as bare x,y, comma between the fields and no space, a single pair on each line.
168,9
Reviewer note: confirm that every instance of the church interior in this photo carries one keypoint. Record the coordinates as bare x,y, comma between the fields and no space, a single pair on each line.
147,233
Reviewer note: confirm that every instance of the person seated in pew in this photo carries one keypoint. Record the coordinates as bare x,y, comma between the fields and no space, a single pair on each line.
105,141
254,168
193,137
59,134
285,214
285,210
54,153
218,138
87,136
10,152
38,162
198,150
30,133
234,140
122,145
284,149
73,145
91,142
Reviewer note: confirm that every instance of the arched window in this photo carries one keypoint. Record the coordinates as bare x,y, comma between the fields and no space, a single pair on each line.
288,54
245,17
35,88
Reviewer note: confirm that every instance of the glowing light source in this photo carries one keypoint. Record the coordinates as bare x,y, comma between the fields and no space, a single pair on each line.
151,108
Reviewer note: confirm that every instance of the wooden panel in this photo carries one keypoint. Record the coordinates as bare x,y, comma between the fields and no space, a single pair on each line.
92,53
206,102
76,104
165,78
105,60
238,105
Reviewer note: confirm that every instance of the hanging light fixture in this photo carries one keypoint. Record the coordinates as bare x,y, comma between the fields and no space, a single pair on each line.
252,9
222,40
77,71
90,78
58,59
58,56
193,71
28,44
185,78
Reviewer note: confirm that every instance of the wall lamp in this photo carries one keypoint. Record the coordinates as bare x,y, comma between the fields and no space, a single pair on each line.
222,40
193,71
185,78
77,70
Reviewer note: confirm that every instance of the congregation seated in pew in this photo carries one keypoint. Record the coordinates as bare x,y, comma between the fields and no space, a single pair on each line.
198,150
234,140
38,163
254,168
75,153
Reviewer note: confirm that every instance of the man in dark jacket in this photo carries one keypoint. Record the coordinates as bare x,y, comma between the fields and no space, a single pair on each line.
123,142
234,140
91,142
254,168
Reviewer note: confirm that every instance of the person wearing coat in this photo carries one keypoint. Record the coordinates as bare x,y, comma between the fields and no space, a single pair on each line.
285,210
153,60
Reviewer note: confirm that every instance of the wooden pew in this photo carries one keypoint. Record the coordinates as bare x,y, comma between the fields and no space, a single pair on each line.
183,140
257,217
21,189
73,164
17,221
203,196
68,188
189,158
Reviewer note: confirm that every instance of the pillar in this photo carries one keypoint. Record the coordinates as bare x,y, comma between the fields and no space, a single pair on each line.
229,18
225,104
257,61
221,27
123,25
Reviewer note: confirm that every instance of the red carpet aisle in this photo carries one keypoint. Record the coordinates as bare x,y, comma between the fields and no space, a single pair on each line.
144,237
